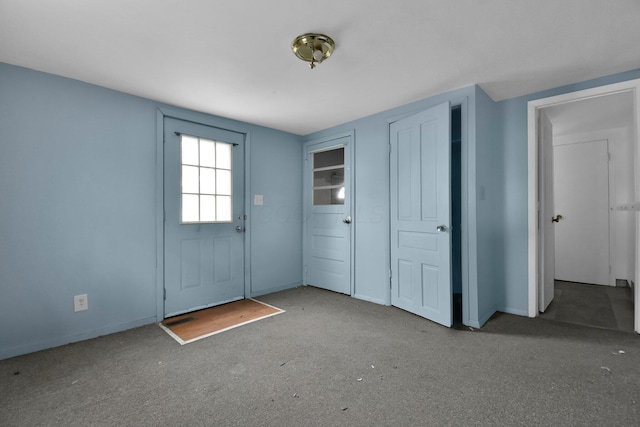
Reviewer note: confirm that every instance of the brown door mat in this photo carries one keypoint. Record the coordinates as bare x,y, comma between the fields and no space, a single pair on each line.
196,325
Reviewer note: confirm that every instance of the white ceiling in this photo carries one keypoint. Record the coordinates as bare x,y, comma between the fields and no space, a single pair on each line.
593,114
232,57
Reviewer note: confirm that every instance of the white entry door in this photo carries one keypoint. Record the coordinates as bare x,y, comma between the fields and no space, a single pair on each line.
204,204
328,215
421,214
581,188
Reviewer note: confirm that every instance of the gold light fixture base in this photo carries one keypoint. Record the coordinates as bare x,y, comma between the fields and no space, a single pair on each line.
313,48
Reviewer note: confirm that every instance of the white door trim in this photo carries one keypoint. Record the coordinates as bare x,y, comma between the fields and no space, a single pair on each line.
632,86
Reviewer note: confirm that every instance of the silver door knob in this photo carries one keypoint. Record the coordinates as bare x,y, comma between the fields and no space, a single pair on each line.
441,228
347,220
240,229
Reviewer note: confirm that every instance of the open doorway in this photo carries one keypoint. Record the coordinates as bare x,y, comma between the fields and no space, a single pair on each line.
585,132
456,213
593,179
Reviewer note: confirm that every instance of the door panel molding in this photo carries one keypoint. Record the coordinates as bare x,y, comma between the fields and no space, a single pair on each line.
420,216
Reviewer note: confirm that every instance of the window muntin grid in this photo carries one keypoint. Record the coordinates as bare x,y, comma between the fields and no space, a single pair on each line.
205,181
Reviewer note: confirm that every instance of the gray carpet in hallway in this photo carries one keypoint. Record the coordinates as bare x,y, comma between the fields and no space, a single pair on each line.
332,360
607,307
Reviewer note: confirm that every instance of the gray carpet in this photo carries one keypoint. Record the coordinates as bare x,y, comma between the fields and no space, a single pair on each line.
332,360
607,307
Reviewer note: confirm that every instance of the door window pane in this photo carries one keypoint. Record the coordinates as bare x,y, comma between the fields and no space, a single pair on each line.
189,150
328,177
327,158
190,179
206,180
223,182
223,156
207,153
223,208
207,208
190,208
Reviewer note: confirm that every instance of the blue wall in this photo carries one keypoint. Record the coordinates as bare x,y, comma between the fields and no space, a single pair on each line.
276,226
78,209
371,203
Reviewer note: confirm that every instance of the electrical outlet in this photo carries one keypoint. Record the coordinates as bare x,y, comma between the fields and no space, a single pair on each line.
80,303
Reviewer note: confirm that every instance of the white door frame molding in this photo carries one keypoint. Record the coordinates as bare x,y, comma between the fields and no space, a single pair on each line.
533,107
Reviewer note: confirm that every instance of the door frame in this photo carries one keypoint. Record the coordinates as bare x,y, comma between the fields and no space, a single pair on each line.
533,107
205,120
306,188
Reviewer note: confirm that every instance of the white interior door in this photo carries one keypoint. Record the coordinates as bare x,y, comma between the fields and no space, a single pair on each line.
546,227
581,178
328,215
203,203
421,214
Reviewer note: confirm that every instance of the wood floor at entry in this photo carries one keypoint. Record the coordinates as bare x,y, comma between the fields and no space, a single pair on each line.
200,324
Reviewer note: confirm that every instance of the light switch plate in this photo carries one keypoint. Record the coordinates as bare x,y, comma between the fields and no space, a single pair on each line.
80,303
258,199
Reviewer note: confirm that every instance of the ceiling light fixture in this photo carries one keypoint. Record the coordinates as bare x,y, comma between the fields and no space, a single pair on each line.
313,48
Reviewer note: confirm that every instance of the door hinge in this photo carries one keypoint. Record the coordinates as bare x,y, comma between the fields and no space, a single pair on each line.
389,148
609,156
164,294
390,273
